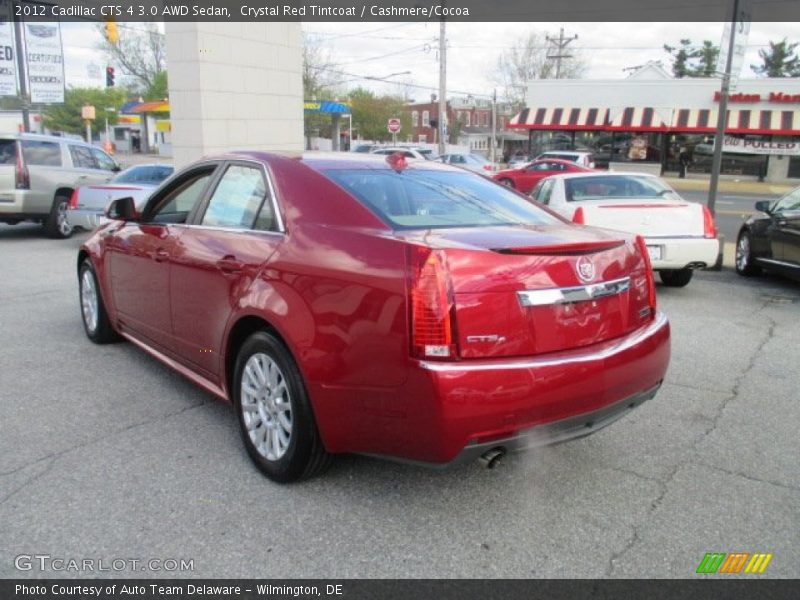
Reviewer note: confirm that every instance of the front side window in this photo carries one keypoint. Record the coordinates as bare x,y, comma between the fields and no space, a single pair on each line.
180,199
46,154
82,157
237,199
104,160
422,199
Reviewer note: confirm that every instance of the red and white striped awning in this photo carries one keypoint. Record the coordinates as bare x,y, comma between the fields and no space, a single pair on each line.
643,118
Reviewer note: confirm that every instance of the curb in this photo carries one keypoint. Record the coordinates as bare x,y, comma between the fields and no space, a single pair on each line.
730,186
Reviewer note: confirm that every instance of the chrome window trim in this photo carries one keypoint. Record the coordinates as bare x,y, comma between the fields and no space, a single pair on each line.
229,229
227,161
570,295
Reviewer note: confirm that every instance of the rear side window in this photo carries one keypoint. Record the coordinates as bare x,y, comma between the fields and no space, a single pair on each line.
8,152
422,199
82,157
237,199
104,160
46,154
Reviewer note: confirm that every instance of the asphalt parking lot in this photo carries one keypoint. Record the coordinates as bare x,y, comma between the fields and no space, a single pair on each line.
105,453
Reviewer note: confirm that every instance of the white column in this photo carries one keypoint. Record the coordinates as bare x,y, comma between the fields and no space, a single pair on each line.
234,86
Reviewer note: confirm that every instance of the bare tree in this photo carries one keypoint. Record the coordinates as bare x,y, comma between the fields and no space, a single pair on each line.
319,70
527,60
140,53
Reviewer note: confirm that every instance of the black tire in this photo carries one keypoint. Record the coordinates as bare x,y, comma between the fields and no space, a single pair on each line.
99,329
507,182
57,226
744,260
303,456
676,277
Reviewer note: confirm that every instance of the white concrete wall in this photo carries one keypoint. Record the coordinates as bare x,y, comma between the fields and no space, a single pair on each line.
234,86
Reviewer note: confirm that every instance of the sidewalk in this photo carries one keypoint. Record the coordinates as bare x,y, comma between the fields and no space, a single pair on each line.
730,185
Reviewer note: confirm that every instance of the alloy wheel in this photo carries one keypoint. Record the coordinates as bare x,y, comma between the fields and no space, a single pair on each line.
266,406
89,306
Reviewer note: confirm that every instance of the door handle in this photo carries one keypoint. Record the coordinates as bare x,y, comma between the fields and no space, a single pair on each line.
229,264
161,255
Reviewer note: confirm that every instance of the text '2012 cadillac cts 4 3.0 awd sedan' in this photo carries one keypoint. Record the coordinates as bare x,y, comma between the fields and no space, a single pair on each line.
376,305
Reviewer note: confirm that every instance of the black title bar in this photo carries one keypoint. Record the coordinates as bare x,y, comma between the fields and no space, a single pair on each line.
400,10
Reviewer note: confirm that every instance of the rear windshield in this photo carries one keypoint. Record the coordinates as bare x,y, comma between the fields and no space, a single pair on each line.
148,175
614,186
422,199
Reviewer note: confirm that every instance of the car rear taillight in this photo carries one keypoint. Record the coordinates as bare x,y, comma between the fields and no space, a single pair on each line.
432,306
577,217
73,200
709,228
22,178
651,280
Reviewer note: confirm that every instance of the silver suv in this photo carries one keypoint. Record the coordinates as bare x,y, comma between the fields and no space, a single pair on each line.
39,173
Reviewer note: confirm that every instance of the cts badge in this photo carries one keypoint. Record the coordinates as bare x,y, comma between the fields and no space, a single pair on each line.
585,269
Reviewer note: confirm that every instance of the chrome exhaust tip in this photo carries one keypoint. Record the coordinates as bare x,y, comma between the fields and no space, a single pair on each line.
491,458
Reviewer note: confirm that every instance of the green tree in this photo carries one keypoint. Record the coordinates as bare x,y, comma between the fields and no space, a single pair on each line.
779,61
689,60
159,90
371,113
67,117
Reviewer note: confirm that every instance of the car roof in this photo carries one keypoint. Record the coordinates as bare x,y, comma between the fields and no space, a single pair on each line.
332,160
579,174
40,137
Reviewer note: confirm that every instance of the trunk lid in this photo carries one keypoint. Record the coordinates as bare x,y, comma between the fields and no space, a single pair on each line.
650,218
522,291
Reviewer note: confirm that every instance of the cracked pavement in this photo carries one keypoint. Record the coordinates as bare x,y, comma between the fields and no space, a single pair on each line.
105,453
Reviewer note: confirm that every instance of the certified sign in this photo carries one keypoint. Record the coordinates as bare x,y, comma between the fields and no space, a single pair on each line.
394,125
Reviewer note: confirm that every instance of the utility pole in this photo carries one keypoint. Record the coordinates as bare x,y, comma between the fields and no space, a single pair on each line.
493,156
22,74
560,43
722,116
442,89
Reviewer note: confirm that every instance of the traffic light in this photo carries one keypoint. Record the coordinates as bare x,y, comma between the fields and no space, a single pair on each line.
109,76
112,33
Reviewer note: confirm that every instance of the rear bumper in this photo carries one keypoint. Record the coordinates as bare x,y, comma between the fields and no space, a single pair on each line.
679,253
454,411
87,219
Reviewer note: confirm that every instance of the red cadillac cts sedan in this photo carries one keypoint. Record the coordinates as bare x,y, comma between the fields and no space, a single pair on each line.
351,303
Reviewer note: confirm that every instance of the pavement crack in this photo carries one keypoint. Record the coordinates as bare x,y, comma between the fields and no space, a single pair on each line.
634,538
30,480
56,455
739,380
749,477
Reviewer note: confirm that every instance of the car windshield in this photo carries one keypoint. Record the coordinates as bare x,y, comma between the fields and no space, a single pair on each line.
147,175
614,186
423,199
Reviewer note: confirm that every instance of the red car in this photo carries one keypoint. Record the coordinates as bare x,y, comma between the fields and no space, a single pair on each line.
348,303
525,178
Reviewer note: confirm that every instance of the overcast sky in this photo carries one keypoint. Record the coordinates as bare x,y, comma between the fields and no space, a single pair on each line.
379,49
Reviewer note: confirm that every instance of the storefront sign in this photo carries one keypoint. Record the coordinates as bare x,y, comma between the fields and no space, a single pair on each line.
777,97
745,146
45,62
8,63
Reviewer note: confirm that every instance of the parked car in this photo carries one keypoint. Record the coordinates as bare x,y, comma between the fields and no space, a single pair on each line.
680,235
421,153
525,178
471,162
518,160
38,174
377,305
88,203
585,159
364,148
771,241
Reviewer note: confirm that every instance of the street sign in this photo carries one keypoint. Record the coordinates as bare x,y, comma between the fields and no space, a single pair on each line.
394,125
88,112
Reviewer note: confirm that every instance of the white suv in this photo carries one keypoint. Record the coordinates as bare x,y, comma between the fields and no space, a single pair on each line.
585,159
38,174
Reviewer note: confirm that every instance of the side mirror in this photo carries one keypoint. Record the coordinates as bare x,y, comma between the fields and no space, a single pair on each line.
763,206
117,168
122,209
